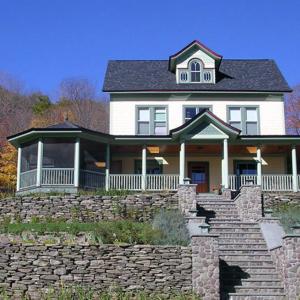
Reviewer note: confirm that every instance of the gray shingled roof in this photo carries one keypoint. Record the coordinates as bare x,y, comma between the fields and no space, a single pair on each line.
233,75
64,125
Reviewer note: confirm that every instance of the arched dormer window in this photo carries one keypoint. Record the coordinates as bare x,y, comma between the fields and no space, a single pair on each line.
195,70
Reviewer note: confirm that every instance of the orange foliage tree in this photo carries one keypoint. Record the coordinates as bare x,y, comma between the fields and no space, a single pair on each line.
8,166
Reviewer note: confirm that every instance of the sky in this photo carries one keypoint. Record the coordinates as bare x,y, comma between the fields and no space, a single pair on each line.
45,41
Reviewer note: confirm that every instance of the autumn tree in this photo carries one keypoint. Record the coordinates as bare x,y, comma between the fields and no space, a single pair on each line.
88,110
292,109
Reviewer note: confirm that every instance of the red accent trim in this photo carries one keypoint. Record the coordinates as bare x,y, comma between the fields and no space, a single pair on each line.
200,45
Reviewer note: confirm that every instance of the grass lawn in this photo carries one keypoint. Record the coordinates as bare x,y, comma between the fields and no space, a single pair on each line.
80,293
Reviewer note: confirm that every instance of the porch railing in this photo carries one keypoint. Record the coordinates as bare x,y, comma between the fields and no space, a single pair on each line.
272,182
57,176
92,179
131,182
28,179
162,182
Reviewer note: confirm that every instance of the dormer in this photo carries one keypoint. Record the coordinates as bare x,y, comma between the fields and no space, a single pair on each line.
195,64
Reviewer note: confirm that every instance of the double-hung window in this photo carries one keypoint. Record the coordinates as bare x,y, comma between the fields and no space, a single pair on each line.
191,111
152,120
245,119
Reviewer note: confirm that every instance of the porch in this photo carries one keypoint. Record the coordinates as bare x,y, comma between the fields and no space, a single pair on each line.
60,164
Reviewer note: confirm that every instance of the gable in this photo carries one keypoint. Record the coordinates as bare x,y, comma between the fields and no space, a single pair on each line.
206,131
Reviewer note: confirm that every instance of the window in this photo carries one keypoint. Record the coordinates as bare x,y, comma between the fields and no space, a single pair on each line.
246,168
183,76
245,119
152,120
58,153
153,166
29,157
195,71
144,121
191,111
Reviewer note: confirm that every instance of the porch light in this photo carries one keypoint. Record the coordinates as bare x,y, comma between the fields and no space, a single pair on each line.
153,149
251,149
100,164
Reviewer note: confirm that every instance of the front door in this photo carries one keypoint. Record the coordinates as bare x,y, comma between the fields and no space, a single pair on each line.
198,172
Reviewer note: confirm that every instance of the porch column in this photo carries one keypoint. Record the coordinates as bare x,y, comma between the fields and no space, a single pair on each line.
39,163
19,168
182,162
259,173
294,169
225,164
107,167
77,162
144,167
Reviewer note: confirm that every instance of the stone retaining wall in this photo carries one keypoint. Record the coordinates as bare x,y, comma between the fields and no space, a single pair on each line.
32,268
86,208
287,261
271,199
249,203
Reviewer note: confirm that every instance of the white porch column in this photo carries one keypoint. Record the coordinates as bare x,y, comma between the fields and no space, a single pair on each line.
259,173
107,167
182,162
77,162
39,163
19,168
144,168
294,169
225,164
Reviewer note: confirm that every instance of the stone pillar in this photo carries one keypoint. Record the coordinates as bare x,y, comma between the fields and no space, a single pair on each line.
259,173
187,198
225,182
291,266
226,193
294,169
144,167
19,168
182,162
205,266
249,203
77,163
39,163
107,167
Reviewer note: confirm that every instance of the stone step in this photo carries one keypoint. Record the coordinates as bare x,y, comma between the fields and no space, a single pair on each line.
238,240
245,235
250,270
263,282
248,257
244,247
217,205
248,263
222,230
240,275
218,224
236,251
259,289
225,220
256,296
213,201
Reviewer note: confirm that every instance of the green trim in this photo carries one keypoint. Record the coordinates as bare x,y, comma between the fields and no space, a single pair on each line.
152,117
243,109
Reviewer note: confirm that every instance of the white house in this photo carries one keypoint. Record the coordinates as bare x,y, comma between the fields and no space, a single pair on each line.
219,122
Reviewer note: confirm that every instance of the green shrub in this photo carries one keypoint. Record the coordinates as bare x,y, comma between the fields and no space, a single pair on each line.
172,225
289,215
106,232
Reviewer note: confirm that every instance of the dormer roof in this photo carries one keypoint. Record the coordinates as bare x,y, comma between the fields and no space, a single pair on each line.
189,50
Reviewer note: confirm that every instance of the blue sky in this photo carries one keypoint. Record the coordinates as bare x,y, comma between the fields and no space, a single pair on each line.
45,41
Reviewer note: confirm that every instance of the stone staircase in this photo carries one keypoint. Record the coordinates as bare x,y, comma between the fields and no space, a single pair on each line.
246,269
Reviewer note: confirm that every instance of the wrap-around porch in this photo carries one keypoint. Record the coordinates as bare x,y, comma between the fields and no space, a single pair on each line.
69,164
205,151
